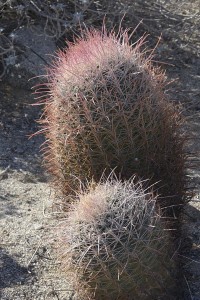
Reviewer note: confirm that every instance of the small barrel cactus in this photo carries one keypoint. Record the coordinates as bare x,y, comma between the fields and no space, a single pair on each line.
106,110
115,244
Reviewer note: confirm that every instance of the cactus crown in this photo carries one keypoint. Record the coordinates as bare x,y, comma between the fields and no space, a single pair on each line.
106,109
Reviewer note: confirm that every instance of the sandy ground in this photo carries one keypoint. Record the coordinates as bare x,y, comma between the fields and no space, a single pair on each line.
28,268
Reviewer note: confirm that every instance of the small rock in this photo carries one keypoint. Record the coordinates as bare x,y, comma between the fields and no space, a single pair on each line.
28,178
4,173
38,226
3,176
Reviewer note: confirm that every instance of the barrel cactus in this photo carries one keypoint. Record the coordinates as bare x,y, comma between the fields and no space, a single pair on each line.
114,243
106,109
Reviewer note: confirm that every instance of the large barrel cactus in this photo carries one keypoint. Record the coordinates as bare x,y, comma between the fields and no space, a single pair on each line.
114,243
106,110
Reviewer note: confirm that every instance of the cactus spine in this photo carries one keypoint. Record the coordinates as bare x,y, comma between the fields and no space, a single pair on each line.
116,245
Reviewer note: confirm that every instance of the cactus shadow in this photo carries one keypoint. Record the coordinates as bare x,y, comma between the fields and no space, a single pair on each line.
18,123
11,272
190,250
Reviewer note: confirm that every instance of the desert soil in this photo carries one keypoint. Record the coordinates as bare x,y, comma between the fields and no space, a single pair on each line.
28,267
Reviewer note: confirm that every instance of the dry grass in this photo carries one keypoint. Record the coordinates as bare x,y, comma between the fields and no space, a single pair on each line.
177,21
